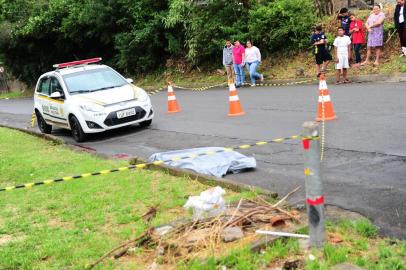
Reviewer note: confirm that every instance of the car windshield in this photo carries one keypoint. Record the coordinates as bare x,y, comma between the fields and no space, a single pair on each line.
93,80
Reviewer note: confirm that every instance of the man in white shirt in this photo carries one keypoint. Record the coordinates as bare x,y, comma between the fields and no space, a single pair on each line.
342,46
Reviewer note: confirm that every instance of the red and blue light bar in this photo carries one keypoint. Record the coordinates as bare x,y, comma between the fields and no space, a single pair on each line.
77,63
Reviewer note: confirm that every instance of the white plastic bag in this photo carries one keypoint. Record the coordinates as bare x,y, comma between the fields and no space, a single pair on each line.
210,203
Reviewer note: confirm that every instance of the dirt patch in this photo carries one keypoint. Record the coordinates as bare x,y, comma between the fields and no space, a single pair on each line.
336,213
6,239
57,223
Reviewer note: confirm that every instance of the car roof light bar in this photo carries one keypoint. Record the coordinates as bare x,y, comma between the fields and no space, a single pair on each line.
76,63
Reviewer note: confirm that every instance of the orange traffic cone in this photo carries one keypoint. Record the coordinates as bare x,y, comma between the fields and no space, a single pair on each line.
235,108
173,106
325,107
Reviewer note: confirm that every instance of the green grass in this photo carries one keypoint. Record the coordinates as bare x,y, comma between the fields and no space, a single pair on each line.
13,94
71,224
190,79
360,246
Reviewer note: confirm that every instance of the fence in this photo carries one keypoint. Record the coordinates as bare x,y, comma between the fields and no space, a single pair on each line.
3,81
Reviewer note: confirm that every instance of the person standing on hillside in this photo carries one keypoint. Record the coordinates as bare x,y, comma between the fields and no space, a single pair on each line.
322,55
357,36
252,60
228,60
342,45
344,18
400,23
374,26
238,60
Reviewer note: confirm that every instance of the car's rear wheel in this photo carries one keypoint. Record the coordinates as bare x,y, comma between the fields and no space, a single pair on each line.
42,125
77,131
146,123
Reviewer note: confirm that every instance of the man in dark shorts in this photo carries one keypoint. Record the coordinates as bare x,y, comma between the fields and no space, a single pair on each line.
323,56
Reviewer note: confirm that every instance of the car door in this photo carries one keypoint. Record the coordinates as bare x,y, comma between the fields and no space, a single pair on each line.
57,112
43,93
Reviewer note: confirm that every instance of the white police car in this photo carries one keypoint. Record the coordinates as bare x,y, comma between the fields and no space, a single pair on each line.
89,99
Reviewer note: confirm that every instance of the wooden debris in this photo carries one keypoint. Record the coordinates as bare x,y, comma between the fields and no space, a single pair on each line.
179,241
150,214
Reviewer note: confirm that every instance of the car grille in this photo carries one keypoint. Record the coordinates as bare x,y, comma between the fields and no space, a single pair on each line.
112,119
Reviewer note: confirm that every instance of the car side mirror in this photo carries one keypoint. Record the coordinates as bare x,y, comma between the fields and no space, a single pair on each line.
56,95
129,80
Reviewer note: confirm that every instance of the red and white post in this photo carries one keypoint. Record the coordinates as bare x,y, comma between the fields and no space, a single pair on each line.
313,182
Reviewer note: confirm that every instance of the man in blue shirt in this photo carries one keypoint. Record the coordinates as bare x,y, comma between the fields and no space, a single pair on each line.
322,55
344,18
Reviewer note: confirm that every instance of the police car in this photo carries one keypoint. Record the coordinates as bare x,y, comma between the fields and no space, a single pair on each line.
86,97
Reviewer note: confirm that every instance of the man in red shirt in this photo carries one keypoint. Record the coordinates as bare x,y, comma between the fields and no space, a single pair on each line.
238,57
357,36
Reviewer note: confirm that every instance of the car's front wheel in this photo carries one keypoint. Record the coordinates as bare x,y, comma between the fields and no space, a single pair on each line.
77,131
146,123
43,126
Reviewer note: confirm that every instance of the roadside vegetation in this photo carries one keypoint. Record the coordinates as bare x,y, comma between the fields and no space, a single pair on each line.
139,37
71,224
12,94
177,40
354,242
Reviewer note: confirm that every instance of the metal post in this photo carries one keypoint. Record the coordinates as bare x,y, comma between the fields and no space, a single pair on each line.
314,191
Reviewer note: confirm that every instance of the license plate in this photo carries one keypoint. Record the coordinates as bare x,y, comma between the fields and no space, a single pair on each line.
126,113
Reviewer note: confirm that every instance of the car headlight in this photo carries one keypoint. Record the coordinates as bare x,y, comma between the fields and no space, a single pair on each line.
140,94
91,107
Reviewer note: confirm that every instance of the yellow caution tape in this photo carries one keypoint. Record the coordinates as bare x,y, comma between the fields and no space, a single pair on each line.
158,162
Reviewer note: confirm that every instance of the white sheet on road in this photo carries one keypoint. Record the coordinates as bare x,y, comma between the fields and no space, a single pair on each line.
218,164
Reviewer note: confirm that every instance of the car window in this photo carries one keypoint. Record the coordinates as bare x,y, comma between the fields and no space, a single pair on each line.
93,80
43,87
55,86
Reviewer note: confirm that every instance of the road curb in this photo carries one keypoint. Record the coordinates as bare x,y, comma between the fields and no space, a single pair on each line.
380,78
212,180
204,179
47,137
386,78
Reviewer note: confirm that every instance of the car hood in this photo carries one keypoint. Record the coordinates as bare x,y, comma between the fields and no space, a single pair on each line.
111,96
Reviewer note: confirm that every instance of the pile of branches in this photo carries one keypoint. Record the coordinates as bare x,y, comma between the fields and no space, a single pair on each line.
177,242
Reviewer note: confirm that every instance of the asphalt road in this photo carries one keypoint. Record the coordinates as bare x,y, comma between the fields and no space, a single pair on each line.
364,169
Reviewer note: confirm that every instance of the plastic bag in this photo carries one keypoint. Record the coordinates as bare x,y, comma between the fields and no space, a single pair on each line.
210,203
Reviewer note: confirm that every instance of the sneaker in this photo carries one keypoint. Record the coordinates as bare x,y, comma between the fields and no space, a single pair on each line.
253,85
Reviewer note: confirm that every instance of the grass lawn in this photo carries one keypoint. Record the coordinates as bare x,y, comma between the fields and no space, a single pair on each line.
71,224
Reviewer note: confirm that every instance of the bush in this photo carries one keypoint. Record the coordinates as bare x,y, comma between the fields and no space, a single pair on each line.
282,24
139,36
